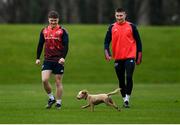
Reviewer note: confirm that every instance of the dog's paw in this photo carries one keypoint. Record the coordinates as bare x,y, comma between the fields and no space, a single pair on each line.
119,109
82,107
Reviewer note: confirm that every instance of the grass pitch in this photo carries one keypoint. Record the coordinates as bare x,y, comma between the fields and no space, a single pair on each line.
85,58
150,103
155,98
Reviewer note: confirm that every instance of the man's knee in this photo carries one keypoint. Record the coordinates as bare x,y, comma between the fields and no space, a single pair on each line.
44,80
129,77
58,79
45,76
59,85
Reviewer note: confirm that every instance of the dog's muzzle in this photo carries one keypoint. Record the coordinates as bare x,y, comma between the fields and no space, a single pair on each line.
78,98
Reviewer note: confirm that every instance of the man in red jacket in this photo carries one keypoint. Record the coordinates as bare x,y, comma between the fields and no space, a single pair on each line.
54,39
126,51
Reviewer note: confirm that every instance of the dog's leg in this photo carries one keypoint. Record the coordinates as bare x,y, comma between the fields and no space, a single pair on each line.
92,107
110,102
85,106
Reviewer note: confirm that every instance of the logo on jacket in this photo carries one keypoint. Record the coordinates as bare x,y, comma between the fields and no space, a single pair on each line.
115,30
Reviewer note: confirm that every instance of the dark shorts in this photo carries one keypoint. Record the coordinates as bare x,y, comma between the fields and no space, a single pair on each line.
56,67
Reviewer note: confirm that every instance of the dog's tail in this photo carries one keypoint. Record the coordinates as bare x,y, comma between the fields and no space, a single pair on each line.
114,92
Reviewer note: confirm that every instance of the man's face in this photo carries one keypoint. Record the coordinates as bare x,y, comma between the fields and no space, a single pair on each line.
120,16
53,22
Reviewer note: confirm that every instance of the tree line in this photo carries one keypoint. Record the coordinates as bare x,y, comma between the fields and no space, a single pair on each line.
143,12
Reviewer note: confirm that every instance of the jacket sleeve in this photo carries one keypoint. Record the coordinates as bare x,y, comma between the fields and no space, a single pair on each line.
137,38
107,40
138,41
40,45
65,40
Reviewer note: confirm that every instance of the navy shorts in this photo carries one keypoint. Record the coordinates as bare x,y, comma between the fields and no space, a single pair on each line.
56,67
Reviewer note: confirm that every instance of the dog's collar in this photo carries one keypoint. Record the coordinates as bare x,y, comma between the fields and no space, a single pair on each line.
85,97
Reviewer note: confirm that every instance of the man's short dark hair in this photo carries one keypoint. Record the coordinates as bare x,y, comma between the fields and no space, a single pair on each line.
120,10
53,14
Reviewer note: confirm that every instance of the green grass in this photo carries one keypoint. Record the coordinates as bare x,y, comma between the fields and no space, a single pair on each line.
150,103
155,97
161,62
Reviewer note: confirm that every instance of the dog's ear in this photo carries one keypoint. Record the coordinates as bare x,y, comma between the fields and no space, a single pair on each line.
84,91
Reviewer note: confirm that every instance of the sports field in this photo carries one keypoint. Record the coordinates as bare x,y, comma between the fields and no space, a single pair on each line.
155,98
151,103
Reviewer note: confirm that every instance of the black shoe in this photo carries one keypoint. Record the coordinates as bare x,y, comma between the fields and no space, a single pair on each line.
126,104
58,106
50,103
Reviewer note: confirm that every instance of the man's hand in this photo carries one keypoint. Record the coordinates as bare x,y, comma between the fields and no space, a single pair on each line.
139,59
38,61
61,61
107,56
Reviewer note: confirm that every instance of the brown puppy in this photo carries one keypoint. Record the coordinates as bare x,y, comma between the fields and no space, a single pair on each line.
97,99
